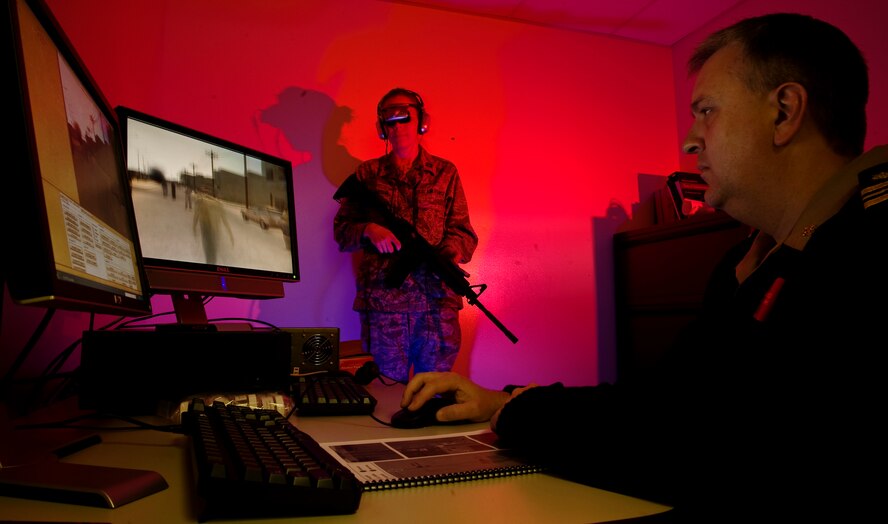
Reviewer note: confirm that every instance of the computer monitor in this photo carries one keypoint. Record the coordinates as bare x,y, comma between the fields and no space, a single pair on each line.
215,218
69,233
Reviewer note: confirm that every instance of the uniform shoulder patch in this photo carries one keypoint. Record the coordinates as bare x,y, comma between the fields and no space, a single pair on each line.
874,189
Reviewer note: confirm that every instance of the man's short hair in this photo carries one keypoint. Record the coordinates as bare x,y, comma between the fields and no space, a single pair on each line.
790,47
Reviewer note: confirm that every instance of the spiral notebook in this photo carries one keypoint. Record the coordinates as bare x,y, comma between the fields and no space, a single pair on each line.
423,461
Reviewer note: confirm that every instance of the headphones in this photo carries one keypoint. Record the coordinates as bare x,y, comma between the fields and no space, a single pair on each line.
422,116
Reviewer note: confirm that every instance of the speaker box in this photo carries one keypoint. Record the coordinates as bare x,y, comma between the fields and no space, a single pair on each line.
313,349
136,372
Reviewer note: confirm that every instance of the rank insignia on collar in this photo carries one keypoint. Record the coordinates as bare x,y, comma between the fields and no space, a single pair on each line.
874,188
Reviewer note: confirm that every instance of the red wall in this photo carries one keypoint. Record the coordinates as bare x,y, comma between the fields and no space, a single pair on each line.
550,130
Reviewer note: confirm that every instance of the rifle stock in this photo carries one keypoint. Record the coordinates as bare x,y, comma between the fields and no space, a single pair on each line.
416,249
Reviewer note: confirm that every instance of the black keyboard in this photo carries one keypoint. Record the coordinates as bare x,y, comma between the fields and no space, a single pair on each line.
253,463
331,394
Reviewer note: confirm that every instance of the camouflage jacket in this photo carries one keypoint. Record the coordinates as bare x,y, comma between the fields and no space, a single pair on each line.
429,196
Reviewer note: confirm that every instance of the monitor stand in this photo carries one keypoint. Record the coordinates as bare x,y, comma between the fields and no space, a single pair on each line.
30,468
191,315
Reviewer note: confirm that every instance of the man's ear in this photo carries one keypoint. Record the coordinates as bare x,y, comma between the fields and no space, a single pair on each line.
791,102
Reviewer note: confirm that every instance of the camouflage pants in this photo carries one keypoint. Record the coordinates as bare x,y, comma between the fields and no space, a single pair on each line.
425,341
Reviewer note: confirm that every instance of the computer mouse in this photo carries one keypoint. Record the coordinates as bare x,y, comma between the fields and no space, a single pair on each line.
424,416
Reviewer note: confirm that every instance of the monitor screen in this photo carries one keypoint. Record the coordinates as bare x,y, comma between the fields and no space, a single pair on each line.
68,228
214,218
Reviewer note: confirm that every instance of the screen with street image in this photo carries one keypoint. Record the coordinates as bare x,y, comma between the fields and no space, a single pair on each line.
213,217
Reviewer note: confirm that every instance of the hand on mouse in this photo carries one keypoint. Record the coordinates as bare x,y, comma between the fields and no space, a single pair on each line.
473,402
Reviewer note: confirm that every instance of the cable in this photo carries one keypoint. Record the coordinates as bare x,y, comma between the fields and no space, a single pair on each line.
392,383
128,323
70,424
227,319
384,423
60,359
52,369
28,347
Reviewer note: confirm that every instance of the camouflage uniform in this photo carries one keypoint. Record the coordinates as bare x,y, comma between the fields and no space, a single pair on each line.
416,324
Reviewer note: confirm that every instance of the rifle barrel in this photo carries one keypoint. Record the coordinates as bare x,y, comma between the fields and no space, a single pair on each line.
474,302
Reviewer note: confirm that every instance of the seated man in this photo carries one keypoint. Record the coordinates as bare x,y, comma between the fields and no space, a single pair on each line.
769,407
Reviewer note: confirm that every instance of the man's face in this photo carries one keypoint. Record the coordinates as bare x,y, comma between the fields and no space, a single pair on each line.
401,120
732,135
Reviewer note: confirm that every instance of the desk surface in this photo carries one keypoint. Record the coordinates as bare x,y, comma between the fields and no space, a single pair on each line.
529,498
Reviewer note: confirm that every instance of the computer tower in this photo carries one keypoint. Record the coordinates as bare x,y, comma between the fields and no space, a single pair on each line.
145,372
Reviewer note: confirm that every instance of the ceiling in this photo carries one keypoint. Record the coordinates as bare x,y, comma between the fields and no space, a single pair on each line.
662,22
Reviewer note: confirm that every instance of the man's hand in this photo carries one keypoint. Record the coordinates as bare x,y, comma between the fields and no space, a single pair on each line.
473,402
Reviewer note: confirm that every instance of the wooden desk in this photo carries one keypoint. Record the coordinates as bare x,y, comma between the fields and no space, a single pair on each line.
661,274
530,498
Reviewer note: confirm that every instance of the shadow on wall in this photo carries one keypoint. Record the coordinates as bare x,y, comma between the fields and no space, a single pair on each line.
311,121
603,230
305,126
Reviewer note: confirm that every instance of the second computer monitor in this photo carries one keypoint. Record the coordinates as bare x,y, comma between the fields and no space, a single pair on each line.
214,218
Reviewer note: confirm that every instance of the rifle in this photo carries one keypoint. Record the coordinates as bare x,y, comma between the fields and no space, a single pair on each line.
415,249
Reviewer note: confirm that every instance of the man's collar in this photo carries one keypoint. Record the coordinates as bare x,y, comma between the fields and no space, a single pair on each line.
832,196
826,203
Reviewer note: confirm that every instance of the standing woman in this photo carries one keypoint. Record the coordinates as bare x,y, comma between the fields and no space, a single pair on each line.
413,327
